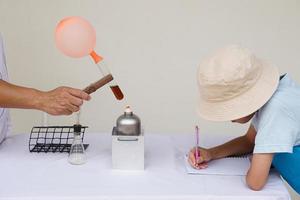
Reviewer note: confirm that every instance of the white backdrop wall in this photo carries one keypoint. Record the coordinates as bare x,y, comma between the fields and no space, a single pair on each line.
153,48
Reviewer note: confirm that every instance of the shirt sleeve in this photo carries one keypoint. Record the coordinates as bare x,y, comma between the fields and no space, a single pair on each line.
3,69
276,130
2,57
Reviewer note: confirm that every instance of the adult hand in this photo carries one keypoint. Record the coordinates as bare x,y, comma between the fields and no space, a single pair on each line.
63,100
203,159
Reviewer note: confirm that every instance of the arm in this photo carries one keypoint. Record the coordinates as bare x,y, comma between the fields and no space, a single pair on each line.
257,175
237,146
13,96
60,101
258,172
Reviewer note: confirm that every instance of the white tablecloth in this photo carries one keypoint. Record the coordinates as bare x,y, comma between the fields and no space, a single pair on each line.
26,175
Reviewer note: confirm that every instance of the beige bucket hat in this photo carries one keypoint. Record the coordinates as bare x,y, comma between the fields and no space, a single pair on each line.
234,83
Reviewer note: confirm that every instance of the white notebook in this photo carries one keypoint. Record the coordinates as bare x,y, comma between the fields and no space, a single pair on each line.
231,166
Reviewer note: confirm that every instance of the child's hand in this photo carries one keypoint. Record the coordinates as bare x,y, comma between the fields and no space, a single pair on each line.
204,157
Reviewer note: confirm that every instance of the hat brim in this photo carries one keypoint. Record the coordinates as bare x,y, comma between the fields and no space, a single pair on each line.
246,103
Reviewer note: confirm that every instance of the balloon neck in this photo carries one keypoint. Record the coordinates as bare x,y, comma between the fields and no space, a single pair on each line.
96,57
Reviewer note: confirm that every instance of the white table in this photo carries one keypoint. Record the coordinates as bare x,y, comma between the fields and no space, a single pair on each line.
41,176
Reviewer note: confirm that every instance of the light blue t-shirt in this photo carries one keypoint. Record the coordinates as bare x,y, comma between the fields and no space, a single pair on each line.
277,123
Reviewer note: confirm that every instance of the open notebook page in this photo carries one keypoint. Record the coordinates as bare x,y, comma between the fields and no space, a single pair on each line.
231,166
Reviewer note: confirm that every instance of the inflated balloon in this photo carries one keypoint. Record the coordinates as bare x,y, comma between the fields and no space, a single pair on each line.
76,38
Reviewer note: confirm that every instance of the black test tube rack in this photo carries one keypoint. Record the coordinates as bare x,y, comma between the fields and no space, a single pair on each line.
53,138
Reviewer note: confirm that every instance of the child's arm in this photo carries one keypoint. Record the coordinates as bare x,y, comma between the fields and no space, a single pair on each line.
259,170
260,165
237,146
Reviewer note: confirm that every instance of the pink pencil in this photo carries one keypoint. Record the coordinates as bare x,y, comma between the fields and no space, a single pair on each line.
197,154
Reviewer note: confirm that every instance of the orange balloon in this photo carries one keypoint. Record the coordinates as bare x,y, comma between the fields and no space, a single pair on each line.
75,37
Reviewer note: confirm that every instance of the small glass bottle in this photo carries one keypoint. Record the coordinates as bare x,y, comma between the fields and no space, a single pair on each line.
77,152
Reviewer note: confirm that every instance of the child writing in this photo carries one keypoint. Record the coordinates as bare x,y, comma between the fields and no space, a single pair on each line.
237,86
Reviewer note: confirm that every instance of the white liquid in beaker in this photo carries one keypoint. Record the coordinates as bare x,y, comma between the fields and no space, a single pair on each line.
77,152
77,159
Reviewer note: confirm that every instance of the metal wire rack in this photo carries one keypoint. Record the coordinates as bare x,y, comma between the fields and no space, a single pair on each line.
53,138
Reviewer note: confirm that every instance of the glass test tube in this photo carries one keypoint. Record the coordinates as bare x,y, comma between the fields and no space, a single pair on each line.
113,84
105,71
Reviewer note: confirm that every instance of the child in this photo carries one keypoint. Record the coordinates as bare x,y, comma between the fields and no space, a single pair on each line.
236,86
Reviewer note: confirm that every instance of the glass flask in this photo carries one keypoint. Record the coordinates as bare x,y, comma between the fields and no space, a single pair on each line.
77,152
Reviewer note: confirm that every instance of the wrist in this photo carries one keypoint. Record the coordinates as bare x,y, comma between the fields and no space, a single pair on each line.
212,153
39,98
